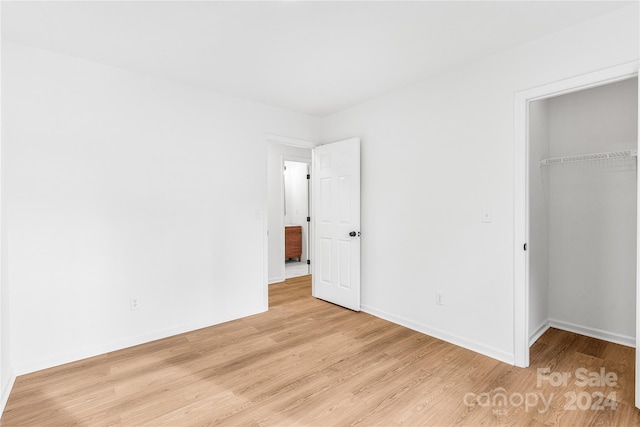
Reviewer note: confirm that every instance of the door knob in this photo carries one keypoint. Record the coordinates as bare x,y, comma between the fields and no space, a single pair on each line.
354,234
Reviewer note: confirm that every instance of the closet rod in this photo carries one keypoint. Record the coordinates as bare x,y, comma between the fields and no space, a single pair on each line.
587,157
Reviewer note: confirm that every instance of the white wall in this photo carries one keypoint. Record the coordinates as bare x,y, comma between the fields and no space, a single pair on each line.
276,155
121,185
538,245
437,153
6,370
7,373
592,211
297,200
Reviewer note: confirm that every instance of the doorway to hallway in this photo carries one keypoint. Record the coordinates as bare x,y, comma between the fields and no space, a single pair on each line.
296,217
288,209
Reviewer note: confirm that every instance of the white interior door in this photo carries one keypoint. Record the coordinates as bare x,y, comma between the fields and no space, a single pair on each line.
336,196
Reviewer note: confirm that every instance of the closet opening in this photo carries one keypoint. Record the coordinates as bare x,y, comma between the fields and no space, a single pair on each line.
582,212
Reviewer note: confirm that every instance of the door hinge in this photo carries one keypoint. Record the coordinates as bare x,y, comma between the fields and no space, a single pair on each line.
308,219
308,262
525,246
308,176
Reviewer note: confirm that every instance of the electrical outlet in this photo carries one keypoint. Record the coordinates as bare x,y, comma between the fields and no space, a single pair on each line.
134,303
439,299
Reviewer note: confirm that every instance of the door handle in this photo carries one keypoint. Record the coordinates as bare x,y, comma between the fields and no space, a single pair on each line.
354,234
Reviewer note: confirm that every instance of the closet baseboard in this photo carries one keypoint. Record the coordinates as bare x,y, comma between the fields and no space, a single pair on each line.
593,333
541,329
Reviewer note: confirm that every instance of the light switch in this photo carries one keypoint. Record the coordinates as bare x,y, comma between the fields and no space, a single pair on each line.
487,217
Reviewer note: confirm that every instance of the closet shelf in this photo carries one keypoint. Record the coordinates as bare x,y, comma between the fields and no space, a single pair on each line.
589,157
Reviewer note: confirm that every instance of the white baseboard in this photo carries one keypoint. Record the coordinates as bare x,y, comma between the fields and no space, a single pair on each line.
276,280
442,335
61,359
594,333
541,329
6,391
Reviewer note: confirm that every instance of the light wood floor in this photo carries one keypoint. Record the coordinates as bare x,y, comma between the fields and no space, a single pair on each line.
308,362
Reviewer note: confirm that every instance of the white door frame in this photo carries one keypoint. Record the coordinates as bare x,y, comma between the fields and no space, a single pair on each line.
292,142
521,198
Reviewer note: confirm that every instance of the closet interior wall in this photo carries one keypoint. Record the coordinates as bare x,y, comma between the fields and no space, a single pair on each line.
582,216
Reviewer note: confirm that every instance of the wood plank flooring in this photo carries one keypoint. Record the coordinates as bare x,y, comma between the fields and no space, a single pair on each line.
308,362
